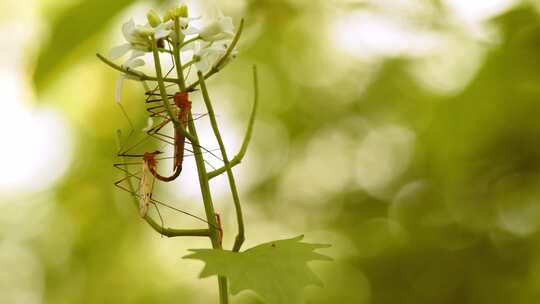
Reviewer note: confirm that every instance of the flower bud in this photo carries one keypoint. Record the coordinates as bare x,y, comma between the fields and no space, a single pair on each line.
169,15
177,12
182,11
143,31
153,18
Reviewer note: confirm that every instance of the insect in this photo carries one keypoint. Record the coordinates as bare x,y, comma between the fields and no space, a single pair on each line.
140,167
219,228
146,185
183,108
147,182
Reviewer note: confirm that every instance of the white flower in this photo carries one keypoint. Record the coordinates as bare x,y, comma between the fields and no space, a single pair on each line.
139,43
206,54
138,38
218,29
216,26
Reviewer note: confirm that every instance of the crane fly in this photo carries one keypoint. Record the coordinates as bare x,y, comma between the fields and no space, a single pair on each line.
146,185
145,181
183,108
140,166
147,161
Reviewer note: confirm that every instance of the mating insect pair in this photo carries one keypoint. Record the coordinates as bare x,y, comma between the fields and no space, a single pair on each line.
145,177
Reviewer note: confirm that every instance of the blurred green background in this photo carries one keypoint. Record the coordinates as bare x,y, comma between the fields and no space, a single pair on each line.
404,133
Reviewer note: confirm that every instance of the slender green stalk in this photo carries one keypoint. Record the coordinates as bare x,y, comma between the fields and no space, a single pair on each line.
190,41
137,74
240,237
245,143
201,172
205,187
188,64
176,55
164,97
208,207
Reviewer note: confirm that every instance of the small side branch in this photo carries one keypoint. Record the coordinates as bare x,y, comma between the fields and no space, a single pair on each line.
172,232
240,237
136,74
245,143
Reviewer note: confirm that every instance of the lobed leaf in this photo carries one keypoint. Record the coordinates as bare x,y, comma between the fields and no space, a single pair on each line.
276,270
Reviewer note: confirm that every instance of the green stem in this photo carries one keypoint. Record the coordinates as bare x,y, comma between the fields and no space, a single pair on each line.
140,75
208,206
245,143
164,97
176,55
189,41
201,172
240,237
188,64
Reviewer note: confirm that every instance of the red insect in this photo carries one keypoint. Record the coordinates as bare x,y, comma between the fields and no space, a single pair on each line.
182,102
219,228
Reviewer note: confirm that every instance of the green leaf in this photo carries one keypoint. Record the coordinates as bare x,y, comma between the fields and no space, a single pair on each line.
277,270
72,28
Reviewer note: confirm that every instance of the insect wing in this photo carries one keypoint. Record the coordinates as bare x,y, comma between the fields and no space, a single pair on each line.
146,188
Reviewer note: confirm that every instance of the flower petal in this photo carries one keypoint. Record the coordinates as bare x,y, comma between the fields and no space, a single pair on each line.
202,65
134,63
227,25
119,51
210,30
136,53
191,31
128,28
118,91
162,33
149,124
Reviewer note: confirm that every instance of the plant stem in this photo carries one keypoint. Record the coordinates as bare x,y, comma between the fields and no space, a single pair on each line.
238,158
140,75
176,55
190,41
208,206
201,172
232,183
188,64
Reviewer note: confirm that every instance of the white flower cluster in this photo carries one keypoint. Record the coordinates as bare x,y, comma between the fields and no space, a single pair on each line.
206,44
211,39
